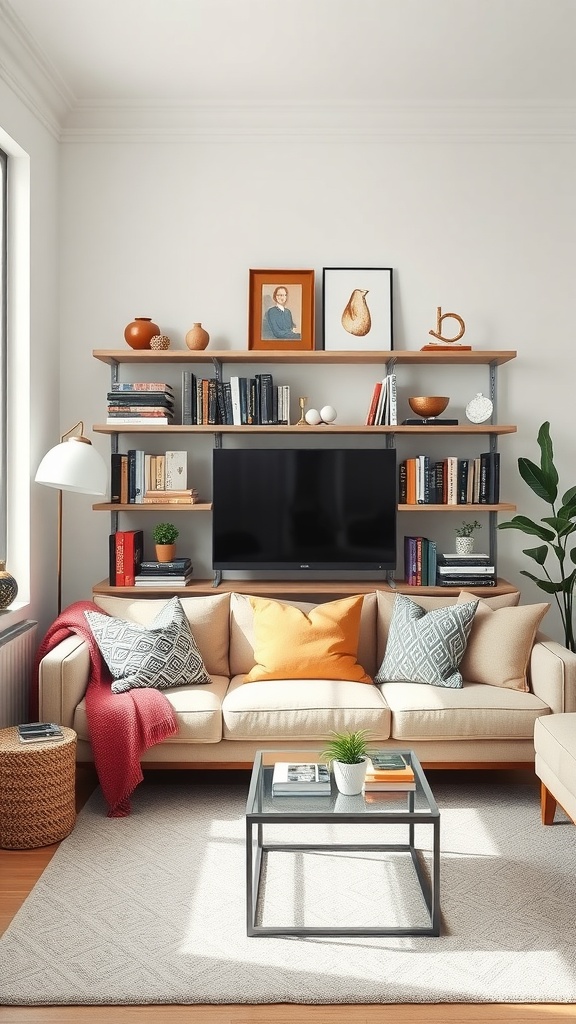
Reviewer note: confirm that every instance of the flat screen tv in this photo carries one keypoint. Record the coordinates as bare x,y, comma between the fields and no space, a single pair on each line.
300,509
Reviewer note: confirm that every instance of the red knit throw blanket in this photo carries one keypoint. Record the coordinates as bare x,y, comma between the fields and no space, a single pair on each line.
121,725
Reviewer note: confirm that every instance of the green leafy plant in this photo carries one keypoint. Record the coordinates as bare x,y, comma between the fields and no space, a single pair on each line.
467,529
165,533
348,747
554,530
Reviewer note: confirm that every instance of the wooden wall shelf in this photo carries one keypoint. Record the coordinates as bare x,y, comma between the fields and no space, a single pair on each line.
294,428
476,357
331,589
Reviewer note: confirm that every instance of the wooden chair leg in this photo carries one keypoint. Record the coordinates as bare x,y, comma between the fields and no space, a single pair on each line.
547,805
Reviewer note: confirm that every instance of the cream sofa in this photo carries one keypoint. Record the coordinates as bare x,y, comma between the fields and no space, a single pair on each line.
224,723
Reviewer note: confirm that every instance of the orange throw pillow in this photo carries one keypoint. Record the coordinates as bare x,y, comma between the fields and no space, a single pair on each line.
319,644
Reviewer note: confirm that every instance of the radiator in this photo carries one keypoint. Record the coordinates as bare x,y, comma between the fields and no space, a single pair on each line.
17,650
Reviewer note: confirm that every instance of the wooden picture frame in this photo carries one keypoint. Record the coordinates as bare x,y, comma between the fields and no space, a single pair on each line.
281,310
357,309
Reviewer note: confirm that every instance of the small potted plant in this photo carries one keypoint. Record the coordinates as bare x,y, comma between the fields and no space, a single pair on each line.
464,538
347,752
165,535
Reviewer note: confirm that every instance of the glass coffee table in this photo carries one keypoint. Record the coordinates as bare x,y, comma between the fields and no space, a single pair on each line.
408,809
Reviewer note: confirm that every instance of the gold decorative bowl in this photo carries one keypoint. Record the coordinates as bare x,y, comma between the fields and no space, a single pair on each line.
431,405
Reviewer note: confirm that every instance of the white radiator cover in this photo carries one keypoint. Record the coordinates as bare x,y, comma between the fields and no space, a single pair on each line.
17,650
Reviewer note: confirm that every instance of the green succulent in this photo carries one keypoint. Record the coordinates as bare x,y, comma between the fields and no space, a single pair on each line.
554,530
165,533
348,747
467,529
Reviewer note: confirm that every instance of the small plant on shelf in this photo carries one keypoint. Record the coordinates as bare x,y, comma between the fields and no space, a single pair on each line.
467,529
165,533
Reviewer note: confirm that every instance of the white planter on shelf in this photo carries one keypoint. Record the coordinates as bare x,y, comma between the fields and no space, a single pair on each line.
350,777
464,545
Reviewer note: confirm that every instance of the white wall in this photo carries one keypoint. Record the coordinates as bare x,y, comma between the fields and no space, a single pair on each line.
34,364
486,229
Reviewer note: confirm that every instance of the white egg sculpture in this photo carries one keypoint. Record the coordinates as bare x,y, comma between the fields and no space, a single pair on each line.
313,417
328,414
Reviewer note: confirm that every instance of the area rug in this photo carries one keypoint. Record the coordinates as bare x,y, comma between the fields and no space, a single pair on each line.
151,908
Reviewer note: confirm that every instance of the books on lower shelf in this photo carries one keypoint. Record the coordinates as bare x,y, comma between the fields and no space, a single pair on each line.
177,573
39,732
125,556
454,570
297,778
450,481
420,561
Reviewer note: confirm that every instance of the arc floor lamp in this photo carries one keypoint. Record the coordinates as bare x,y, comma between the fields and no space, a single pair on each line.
72,465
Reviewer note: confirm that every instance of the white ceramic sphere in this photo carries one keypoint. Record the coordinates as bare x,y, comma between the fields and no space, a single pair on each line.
313,417
328,414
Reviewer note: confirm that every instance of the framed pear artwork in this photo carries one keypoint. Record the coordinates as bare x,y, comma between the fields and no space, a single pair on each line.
357,309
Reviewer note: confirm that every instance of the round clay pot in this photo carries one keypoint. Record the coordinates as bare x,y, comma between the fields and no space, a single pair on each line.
8,587
140,332
165,552
197,338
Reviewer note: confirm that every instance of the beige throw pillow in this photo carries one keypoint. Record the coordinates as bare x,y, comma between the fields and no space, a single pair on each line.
500,643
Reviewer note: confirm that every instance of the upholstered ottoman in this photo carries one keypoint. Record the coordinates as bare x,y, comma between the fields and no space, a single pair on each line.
555,764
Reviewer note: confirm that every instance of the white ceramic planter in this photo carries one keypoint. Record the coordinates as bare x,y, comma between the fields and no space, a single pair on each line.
349,777
464,545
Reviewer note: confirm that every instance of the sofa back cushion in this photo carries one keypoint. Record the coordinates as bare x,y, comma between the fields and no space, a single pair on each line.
209,619
242,641
500,643
385,607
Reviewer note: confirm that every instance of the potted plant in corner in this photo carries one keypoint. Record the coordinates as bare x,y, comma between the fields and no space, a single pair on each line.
464,538
165,535
347,752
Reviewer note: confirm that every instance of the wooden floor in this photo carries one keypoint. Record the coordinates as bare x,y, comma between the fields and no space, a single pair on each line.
20,869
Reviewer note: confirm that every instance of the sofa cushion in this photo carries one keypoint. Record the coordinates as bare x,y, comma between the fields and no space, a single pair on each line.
208,617
475,711
385,607
302,709
500,643
242,632
199,710
426,647
320,644
161,655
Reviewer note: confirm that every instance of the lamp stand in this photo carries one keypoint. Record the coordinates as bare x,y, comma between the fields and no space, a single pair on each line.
59,551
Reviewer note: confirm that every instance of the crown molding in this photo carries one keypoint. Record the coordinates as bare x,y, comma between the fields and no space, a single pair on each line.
29,74
125,121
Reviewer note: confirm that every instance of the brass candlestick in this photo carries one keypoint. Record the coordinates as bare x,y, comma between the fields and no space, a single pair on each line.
302,403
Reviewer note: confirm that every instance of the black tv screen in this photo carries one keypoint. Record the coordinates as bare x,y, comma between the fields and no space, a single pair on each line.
304,509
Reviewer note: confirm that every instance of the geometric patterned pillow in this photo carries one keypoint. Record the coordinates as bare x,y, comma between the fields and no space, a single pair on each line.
161,655
426,647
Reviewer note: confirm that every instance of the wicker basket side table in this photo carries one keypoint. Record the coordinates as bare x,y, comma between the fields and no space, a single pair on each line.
37,790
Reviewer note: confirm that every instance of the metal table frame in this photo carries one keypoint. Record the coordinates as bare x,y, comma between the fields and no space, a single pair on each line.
257,848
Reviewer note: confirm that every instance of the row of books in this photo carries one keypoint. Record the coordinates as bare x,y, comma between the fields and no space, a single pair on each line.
382,409
137,477
420,559
386,771
141,403
450,481
240,401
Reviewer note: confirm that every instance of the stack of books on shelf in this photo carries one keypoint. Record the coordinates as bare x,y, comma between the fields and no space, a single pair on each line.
294,778
177,573
382,409
475,570
125,557
241,401
139,478
420,561
389,771
450,481
142,403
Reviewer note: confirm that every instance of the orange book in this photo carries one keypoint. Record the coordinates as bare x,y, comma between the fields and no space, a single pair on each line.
410,481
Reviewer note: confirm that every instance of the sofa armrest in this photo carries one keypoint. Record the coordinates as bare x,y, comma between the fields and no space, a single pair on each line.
62,681
552,670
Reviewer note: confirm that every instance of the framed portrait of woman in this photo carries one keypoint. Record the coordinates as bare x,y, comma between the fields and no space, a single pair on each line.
281,310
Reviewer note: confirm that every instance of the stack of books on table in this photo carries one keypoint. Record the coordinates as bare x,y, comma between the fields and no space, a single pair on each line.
475,570
390,771
39,732
150,404
295,778
165,574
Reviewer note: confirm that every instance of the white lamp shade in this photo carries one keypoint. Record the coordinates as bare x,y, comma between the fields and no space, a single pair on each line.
74,465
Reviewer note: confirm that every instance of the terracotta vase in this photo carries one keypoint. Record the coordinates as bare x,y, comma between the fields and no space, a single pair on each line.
8,587
165,552
140,332
197,338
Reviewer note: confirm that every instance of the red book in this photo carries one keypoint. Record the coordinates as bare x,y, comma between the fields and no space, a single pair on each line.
371,417
133,548
119,559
